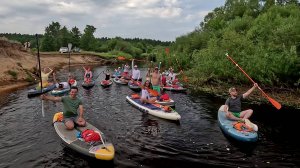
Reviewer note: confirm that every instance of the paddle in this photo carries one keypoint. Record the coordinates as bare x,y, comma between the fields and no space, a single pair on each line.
274,102
103,142
99,74
69,49
40,70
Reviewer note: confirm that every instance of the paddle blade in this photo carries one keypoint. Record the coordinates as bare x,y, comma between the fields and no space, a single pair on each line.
275,103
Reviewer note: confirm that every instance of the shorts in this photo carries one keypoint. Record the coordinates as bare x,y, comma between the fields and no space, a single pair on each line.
236,114
156,88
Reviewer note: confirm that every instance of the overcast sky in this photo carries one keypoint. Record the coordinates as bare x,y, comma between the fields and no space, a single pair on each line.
153,19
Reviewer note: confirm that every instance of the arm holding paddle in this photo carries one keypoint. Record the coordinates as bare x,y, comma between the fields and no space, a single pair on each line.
250,90
52,98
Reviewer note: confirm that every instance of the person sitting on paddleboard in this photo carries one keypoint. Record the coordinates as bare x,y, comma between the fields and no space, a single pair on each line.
107,77
71,80
88,75
71,104
145,97
233,105
126,70
117,73
136,74
45,77
172,76
60,85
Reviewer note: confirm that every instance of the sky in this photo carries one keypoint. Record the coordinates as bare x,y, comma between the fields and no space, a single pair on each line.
162,20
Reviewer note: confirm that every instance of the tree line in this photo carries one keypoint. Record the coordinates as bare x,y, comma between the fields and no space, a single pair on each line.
57,36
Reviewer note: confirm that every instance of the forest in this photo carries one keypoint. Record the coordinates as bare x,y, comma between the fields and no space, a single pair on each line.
262,36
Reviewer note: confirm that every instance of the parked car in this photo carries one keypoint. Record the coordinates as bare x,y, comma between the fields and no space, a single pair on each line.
63,50
76,49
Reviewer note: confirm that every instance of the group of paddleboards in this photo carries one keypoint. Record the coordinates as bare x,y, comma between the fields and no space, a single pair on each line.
163,107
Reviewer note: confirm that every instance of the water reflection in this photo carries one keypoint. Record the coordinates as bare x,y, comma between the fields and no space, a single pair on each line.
151,127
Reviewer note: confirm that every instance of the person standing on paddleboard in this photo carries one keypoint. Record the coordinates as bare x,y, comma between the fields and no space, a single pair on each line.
233,105
71,104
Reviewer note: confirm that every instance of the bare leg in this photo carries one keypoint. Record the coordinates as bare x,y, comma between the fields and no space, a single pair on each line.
246,114
69,124
81,123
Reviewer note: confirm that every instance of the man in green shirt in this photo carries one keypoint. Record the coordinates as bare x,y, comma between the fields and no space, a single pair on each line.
71,104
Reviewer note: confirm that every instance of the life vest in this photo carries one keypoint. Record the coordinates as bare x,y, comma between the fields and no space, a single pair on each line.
241,126
90,135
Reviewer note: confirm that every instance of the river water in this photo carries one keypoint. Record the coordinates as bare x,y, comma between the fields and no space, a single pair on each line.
29,140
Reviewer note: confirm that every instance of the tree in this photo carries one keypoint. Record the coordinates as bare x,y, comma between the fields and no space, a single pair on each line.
75,39
88,41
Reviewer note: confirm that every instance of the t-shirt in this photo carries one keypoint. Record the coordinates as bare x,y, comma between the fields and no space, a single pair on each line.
235,105
136,74
172,76
70,106
145,94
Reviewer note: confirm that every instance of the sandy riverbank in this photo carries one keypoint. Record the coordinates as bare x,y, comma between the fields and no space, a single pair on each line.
24,66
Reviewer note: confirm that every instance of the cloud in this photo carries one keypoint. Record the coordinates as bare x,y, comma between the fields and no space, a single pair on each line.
156,19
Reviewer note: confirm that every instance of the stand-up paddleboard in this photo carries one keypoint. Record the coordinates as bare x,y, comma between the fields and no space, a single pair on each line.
106,83
118,81
60,92
37,92
227,126
100,149
154,110
88,85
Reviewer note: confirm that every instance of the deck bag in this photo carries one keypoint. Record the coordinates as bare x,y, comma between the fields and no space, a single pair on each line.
90,135
241,126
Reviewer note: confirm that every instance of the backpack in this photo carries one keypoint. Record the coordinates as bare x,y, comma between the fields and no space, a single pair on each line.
90,135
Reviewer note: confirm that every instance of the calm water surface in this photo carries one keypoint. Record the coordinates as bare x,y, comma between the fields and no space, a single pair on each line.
29,140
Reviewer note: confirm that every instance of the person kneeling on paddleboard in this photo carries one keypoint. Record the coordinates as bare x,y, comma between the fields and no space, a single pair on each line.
71,104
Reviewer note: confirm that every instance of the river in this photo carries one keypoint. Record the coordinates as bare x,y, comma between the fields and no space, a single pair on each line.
27,139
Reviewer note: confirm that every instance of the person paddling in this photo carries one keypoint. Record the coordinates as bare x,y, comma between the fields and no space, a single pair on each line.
71,104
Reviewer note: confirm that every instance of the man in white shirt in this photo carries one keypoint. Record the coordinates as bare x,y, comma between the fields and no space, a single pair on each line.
136,73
